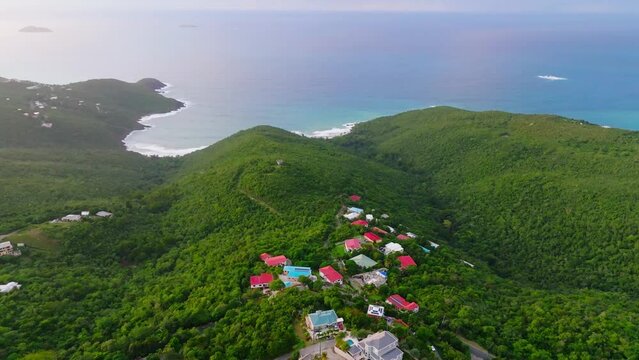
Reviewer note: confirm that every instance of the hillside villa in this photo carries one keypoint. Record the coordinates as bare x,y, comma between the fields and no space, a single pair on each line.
7,249
382,345
372,237
380,231
279,260
405,262
392,247
352,245
104,214
71,218
351,216
402,237
401,304
375,311
363,261
355,198
323,323
360,223
331,275
261,281
7,288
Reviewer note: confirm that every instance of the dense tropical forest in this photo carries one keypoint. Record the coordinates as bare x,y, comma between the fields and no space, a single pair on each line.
529,200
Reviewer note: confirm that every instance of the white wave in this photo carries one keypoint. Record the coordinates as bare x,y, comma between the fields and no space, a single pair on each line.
159,150
330,133
551,77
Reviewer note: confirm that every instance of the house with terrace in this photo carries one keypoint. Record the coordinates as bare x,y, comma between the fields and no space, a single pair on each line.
323,324
331,275
382,345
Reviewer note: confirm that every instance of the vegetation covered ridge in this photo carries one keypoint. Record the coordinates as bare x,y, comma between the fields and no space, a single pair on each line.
169,275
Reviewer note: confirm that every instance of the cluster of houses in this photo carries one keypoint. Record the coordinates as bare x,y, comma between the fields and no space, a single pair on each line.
82,215
325,323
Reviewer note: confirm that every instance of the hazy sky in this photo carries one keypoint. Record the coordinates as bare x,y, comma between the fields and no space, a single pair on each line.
22,7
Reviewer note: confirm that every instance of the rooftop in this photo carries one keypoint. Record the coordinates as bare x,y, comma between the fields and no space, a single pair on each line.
264,278
360,223
364,261
352,244
406,261
323,318
276,260
330,274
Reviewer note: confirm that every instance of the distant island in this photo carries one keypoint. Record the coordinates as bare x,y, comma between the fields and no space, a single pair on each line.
35,29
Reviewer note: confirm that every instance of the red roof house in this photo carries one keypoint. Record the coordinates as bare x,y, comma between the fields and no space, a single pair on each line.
279,260
402,237
372,237
380,231
264,256
355,198
406,261
261,281
401,304
360,223
352,244
330,275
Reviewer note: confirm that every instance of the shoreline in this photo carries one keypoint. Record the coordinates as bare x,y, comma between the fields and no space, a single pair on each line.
146,121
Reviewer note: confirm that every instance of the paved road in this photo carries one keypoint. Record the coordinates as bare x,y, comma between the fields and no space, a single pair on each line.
476,352
309,351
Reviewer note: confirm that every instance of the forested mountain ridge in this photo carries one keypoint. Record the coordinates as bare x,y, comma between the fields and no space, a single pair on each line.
541,198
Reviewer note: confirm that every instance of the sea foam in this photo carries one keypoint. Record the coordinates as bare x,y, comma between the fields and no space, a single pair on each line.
551,77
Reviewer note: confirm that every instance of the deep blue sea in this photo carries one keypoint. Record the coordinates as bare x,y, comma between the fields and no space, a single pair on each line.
306,72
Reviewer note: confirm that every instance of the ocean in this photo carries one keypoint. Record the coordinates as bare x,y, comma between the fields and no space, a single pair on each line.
308,72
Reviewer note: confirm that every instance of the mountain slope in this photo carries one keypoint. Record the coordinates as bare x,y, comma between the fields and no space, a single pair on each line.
168,275
542,199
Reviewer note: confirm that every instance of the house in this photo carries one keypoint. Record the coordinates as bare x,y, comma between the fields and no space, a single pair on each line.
402,237
352,245
71,218
375,311
47,125
104,214
411,235
369,217
392,248
6,248
405,262
321,323
351,216
376,278
401,304
469,264
385,216
380,231
391,229
363,261
331,275
380,346
355,210
279,260
355,198
295,272
360,223
85,213
426,250
7,288
261,281
372,237
432,244
279,162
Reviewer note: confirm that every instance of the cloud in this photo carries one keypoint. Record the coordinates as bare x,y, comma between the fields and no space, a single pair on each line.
472,6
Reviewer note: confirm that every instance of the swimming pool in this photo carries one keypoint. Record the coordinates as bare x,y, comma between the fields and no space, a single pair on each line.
288,284
297,271
350,342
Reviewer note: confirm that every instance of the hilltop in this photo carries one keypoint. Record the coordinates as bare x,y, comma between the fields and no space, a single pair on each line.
168,275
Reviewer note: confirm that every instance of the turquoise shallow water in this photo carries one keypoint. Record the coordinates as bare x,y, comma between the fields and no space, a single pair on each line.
308,72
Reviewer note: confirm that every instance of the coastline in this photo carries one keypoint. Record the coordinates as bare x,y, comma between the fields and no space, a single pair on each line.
147,122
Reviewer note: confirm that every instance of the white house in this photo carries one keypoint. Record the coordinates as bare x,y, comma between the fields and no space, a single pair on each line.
351,216
391,229
6,248
375,311
435,245
104,214
370,217
85,213
392,247
411,235
6,288
72,218
380,346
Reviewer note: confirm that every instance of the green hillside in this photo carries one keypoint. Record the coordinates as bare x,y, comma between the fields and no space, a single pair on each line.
168,276
542,199
79,161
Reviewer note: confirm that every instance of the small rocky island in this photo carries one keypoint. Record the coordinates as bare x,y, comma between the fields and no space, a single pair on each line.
35,29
